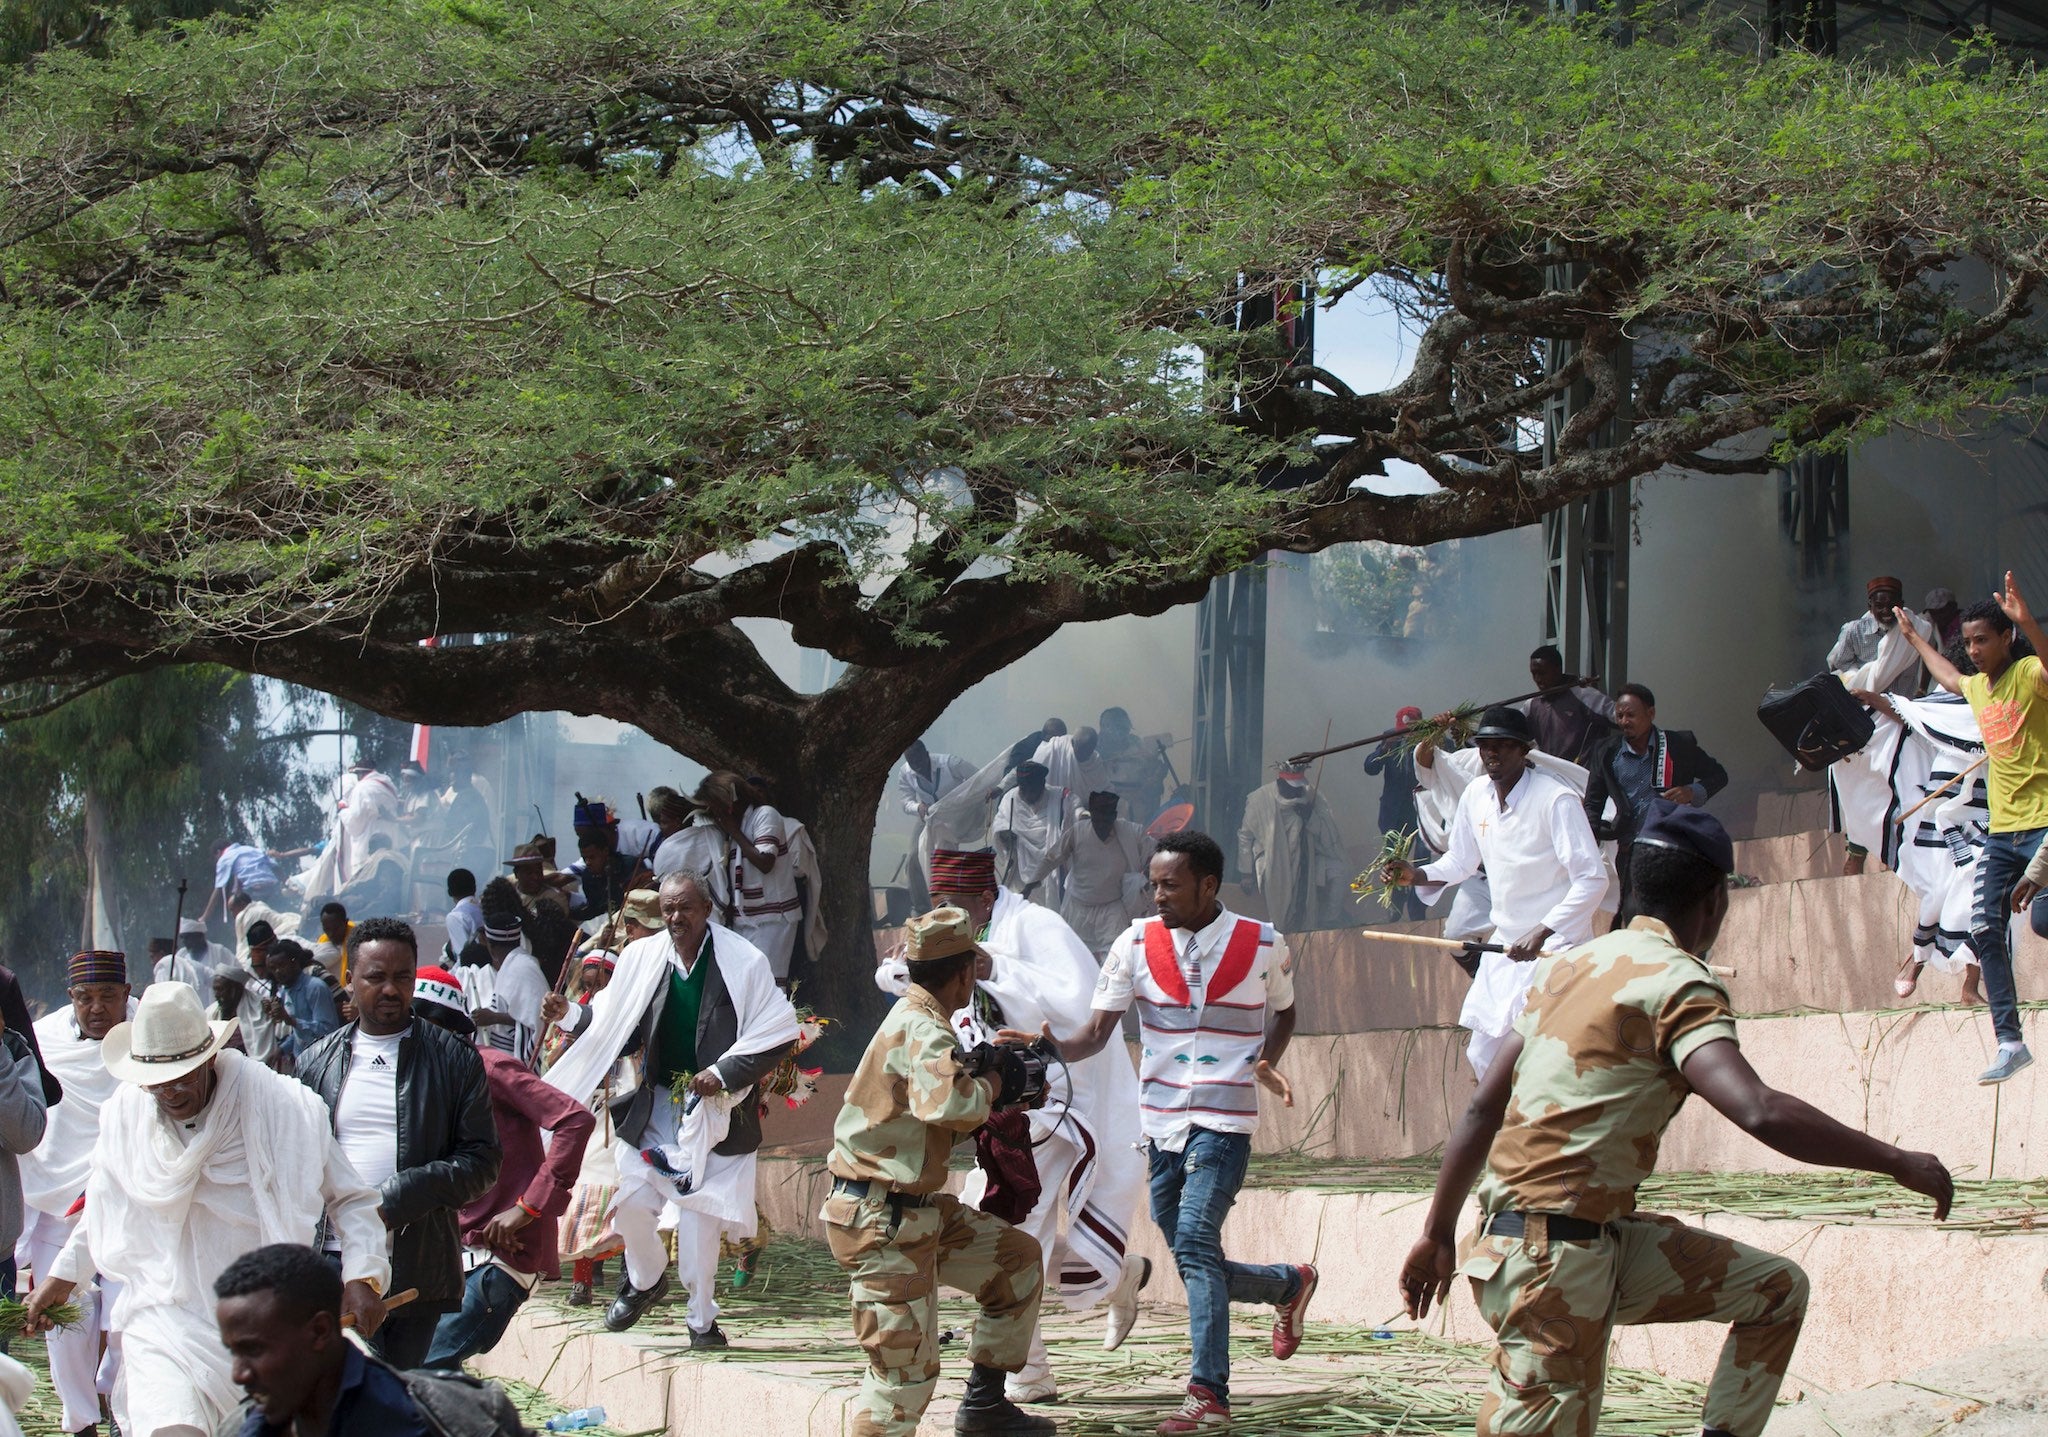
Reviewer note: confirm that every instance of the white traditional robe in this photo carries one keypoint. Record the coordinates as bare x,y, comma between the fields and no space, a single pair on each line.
1034,828
182,967
516,988
52,1179
721,1201
1105,879
1294,852
1077,776
169,1206
1543,869
1873,789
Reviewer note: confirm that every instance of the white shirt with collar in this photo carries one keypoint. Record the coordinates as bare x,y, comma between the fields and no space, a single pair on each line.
1544,868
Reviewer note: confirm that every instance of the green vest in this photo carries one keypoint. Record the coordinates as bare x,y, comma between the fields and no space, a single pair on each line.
675,1033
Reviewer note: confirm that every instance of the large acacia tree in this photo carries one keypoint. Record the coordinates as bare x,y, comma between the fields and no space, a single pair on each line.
596,328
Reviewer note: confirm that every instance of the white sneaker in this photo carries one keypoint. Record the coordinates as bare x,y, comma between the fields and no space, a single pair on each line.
1123,1301
1023,1387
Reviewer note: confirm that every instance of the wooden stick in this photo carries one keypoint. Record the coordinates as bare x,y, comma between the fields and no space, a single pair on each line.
1473,945
1937,793
1588,682
397,1299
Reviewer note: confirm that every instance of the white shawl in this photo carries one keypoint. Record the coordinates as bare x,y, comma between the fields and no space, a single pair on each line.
961,819
766,1019
1875,786
54,1174
1043,974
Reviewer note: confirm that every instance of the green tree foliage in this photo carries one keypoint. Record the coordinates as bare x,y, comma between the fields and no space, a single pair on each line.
29,27
599,327
174,761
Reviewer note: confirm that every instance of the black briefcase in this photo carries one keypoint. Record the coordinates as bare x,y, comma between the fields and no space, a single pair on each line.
1817,721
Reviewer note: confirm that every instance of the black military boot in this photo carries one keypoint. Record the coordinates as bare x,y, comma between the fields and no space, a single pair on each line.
985,1412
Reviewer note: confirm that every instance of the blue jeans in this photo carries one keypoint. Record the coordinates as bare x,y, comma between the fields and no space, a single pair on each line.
1192,1192
1999,868
489,1298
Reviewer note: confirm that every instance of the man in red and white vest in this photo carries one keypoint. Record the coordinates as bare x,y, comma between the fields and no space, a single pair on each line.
1215,996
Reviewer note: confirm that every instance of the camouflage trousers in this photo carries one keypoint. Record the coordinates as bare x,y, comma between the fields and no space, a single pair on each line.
1554,1307
897,1268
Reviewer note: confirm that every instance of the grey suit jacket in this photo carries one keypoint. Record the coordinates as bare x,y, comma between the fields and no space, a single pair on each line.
718,1027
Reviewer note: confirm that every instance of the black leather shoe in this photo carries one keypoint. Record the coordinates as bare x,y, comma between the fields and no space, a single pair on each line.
712,1336
631,1303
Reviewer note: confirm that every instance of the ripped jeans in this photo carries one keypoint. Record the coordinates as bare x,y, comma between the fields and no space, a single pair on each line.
1192,1192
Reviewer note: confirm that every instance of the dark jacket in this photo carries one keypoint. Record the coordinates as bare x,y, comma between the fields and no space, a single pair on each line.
1682,761
718,1027
1397,798
447,1148
377,1400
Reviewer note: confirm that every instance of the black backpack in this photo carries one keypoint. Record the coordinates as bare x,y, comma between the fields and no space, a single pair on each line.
1817,721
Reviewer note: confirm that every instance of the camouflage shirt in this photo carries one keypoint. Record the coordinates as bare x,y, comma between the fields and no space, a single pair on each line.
1607,1028
908,1102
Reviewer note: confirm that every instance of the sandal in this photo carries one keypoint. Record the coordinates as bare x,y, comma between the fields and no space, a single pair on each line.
1908,978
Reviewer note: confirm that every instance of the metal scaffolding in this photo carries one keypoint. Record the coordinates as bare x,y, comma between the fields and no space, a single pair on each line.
1230,657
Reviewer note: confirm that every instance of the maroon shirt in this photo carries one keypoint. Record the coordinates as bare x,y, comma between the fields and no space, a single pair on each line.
523,1106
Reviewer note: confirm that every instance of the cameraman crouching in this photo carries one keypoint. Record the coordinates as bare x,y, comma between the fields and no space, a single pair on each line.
898,1236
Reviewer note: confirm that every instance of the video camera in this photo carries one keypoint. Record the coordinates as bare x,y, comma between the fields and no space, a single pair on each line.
1021,1073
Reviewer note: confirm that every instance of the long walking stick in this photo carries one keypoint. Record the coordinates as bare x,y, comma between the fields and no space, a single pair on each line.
1937,793
180,915
1587,682
1462,945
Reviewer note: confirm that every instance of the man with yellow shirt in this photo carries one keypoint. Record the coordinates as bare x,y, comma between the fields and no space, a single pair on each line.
2010,700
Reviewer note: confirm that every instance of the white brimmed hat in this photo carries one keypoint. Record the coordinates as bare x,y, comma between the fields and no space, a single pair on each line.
167,1038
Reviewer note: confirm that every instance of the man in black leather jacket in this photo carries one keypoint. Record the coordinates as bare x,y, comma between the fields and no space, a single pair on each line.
1639,764
413,1111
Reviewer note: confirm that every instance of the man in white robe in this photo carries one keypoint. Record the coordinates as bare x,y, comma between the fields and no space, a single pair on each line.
202,1155
694,1155
1543,866
1084,1139
53,1176
1922,747
922,779
1029,820
1290,848
1075,763
1105,859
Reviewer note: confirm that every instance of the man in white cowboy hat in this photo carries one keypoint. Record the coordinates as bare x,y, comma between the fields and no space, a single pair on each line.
202,1155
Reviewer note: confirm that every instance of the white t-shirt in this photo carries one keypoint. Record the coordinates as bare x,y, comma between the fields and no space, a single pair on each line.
366,1115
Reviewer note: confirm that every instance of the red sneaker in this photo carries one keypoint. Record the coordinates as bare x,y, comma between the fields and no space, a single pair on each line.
1288,1316
1200,1411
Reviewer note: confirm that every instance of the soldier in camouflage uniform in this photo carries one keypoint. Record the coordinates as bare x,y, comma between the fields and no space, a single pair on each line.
1616,1034
898,1235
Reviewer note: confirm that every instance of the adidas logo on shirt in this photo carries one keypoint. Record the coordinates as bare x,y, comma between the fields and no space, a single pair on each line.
378,1062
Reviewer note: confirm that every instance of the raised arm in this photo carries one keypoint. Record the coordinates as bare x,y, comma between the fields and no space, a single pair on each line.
2015,606
1938,668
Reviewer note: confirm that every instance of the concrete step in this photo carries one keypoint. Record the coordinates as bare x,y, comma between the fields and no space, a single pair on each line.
1996,1391
793,1369
1830,944
1790,857
1907,1077
1874,1279
1793,810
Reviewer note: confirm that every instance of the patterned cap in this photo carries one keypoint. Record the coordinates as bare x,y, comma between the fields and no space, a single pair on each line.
956,870
98,965
437,990
1884,581
941,933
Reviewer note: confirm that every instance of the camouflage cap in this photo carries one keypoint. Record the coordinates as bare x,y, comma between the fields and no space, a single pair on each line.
642,906
941,933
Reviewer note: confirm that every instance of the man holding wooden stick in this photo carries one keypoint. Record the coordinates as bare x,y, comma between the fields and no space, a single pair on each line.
2010,699
1566,1127
1529,832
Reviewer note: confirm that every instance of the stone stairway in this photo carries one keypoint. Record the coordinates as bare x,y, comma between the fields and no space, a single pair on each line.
1379,1072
